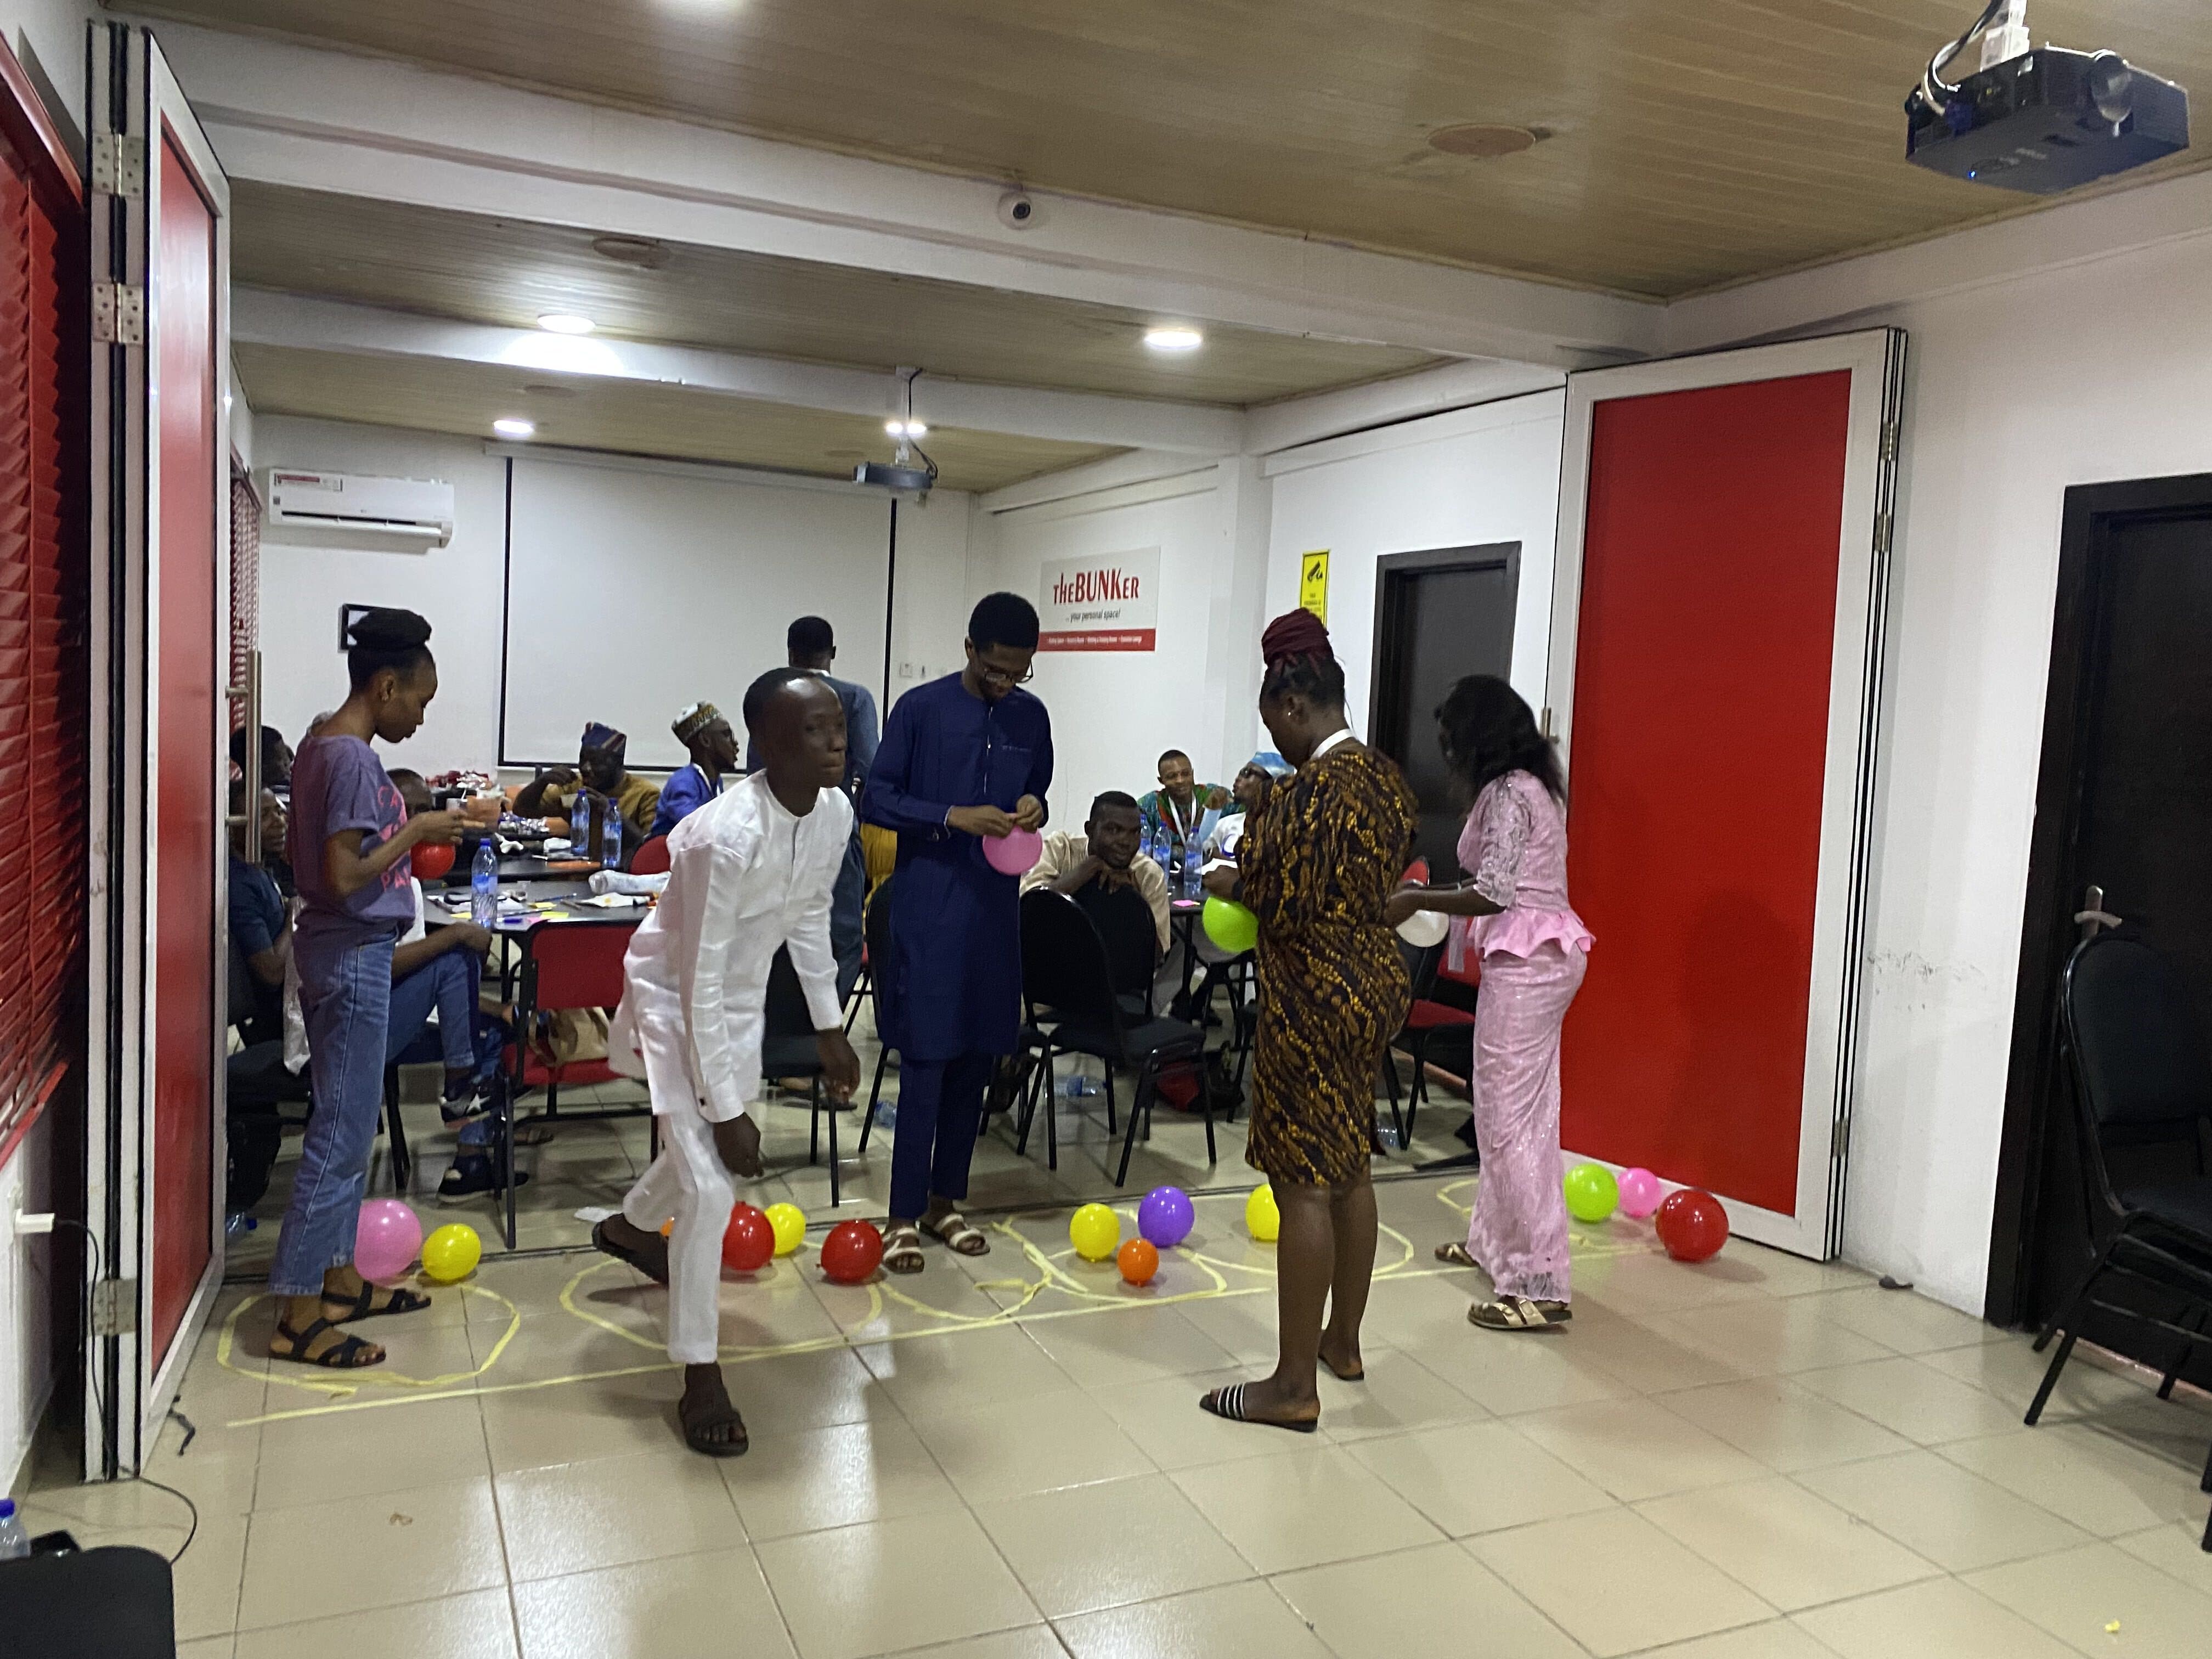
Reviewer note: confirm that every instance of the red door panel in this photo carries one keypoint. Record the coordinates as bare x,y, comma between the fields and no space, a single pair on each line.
1704,648
186,810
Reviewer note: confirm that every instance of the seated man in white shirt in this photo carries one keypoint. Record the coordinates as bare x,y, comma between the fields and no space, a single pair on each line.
750,873
1117,886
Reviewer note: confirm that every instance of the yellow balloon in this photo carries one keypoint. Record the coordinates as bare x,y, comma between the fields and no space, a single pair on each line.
790,1223
1096,1232
1261,1219
452,1253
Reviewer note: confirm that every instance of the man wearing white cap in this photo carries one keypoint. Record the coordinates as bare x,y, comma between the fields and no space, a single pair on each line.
701,729
750,873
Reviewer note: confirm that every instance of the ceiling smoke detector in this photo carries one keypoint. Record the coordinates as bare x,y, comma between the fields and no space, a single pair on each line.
643,251
1482,140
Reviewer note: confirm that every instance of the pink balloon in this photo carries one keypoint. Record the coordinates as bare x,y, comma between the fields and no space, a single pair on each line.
1640,1193
1015,854
386,1240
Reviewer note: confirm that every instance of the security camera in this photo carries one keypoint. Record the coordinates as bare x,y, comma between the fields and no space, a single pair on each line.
1016,211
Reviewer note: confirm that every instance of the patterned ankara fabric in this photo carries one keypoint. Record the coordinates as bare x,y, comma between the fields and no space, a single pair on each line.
1319,866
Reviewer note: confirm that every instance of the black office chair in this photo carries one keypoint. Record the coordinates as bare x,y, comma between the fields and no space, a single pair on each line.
1429,1022
115,1602
2141,1081
789,1050
1073,1010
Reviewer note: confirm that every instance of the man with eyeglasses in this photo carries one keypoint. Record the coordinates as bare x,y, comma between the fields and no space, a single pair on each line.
964,758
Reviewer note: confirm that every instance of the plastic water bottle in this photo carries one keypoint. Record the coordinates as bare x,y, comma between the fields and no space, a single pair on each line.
1194,869
14,1542
483,885
610,834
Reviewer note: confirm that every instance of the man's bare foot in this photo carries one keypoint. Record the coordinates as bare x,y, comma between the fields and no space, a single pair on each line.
711,1423
1342,1359
647,1252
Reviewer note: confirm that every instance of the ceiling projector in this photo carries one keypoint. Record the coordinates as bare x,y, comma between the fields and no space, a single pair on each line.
2039,121
884,476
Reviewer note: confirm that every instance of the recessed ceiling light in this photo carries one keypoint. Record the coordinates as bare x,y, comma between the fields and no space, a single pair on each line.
640,251
514,426
564,322
1174,339
1485,141
906,428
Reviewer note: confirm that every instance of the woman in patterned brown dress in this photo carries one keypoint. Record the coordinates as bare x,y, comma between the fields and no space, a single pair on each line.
1320,859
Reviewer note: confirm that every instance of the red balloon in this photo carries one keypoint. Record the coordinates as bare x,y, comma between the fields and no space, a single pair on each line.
1691,1224
749,1240
1138,1261
431,861
851,1252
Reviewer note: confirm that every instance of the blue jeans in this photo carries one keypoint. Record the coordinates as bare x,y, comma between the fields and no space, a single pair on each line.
468,1039
345,994
939,1104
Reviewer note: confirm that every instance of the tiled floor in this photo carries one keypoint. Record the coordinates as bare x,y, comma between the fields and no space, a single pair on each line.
1757,1458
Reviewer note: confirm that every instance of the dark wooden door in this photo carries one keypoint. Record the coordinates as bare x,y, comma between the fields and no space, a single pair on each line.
1439,616
2126,810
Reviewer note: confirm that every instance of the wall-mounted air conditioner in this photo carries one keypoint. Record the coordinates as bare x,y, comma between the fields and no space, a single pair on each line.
342,509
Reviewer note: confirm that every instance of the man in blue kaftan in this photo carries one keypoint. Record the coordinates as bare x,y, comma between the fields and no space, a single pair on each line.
965,757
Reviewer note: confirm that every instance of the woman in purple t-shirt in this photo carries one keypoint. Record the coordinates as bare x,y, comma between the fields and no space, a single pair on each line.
350,837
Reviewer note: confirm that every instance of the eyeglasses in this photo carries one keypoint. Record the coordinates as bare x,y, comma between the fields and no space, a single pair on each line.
999,676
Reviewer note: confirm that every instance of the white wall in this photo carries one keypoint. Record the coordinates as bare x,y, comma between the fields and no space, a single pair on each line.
1115,711
459,587
2015,391
1475,476
27,1295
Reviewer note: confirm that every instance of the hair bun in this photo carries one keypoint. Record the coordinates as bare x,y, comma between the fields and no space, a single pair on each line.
388,629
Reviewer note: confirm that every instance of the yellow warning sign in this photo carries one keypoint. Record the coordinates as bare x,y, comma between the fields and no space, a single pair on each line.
1313,583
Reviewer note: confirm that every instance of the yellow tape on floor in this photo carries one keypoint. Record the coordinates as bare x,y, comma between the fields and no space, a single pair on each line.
1048,1275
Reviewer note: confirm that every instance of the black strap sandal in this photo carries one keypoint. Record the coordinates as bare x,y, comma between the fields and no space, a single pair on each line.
1229,1403
344,1355
653,1266
363,1306
698,1432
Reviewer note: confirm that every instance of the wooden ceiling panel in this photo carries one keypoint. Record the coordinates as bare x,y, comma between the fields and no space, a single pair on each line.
510,271
1686,143
625,416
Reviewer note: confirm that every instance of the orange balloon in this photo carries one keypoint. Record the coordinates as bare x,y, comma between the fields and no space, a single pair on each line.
667,1227
1138,1261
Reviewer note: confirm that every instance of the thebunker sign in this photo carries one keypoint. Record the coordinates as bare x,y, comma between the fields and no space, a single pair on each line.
1106,603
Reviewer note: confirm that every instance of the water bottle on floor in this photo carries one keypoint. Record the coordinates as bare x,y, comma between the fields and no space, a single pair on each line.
483,885
14,1542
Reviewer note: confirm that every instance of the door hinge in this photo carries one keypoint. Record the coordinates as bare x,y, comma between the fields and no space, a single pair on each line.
118,313
1839,1140
114,1307
1885,526
1544,721
118,165
1889,440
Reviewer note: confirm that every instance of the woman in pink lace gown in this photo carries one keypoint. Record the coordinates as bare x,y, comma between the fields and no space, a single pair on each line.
1534,950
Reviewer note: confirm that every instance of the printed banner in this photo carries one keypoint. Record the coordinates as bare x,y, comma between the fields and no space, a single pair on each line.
1110,603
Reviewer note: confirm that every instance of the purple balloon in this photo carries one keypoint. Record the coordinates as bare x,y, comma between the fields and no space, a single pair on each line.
386,1240
1165,1217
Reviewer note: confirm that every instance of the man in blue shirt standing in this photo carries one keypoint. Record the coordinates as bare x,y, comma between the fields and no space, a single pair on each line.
812,644
963,757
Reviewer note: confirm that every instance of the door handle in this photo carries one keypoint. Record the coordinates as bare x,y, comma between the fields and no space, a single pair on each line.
2093,916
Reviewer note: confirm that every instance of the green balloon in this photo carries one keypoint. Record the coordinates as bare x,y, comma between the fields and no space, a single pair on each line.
1592,1193
1230,926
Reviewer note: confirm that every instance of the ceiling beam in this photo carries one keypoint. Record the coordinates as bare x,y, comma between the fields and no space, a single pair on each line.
287,114
261,317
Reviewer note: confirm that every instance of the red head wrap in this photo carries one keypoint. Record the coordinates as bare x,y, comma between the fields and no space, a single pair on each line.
1296,633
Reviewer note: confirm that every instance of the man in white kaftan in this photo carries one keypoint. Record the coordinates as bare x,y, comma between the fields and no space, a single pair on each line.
750,873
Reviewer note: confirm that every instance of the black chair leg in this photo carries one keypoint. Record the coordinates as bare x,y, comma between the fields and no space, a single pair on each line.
2180,1360
875,1092
403,1160
1136,1111
1419,1092
837,1196
1205,1105
1390,1082
1051,1103
813,1136
506,1129
2051,1379
2205,1484
552,1100
1111,1127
